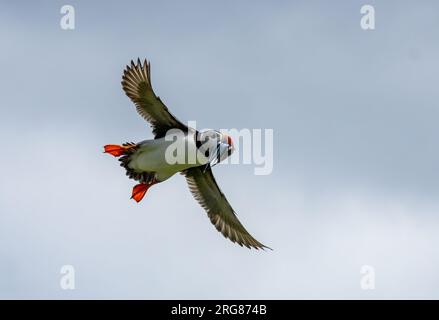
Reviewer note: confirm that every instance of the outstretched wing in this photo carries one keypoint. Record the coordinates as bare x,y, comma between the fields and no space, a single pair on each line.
205,190
136,82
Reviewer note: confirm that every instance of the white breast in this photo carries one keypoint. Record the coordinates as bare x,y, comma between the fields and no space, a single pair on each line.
166,156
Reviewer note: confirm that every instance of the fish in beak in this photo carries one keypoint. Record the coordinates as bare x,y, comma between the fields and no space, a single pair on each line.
221,150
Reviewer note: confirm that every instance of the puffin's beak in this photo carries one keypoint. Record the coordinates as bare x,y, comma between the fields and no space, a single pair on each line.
231,147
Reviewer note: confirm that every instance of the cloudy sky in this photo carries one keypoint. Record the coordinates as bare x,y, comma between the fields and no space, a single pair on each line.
355,119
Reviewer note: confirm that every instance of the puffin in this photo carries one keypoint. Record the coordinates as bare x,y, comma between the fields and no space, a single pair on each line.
154,161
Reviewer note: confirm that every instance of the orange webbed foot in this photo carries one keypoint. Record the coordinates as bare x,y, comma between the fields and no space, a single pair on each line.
140,190
114,149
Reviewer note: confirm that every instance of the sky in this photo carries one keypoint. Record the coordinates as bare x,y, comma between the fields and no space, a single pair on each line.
355,176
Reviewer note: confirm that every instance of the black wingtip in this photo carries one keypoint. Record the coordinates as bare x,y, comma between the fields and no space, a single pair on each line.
265,247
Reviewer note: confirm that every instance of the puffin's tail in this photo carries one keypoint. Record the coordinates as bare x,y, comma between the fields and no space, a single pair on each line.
125,151
119,150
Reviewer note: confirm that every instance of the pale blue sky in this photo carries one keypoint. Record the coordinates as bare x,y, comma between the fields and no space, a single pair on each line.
355,178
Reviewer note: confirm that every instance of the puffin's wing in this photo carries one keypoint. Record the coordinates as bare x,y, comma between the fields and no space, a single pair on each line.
136,82
205,190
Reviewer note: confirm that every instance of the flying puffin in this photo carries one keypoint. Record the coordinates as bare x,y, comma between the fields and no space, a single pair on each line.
146,162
